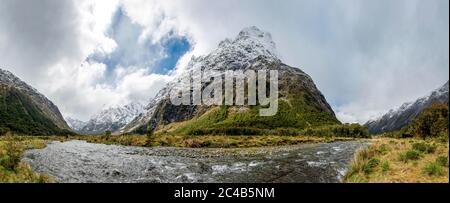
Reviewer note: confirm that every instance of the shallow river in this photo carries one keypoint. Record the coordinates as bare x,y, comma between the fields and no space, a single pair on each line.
79,161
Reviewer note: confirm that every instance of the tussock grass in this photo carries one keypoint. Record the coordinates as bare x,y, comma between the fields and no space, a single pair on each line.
442,161
433,169
12,170
409,155
390,160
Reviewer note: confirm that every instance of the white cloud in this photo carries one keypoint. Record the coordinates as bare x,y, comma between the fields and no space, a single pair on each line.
365,56
139,86
54,62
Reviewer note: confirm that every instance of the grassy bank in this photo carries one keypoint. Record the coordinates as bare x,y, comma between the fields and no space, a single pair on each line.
12,170
392,160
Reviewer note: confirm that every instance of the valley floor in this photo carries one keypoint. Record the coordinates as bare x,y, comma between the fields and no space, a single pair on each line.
385,160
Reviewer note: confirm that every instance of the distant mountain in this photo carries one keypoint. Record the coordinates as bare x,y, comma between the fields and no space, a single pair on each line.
113,119
396,119
301,104
24,110
75,124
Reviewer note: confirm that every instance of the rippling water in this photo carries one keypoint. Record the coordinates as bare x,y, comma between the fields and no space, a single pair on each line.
78,161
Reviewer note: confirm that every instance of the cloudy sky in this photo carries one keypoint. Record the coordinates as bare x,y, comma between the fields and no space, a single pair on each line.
365,56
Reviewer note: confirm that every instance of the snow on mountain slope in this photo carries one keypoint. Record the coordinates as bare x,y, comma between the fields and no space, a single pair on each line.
113,118
75,124
395,119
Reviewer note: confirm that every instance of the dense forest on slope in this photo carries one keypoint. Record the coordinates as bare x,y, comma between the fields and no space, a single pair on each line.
19,114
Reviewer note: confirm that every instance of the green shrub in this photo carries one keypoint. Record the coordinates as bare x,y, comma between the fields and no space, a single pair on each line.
431,148
424,147
431,122
344,130
3,130
229,131
433,169
443,137
287,132
385,166
409,155
442,161
392,142
421,147
107,135
371,165
383,149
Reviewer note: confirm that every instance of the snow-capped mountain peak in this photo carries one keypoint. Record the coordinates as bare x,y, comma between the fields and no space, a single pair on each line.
254,35
119,113
249,44
113,118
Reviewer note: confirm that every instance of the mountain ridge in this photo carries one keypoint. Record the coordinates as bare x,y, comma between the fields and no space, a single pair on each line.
111,119
25,110
395,119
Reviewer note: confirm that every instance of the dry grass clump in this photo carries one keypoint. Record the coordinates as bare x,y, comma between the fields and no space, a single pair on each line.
390,160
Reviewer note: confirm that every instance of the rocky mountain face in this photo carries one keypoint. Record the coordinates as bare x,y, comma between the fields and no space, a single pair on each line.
396,119
301,104
112,119
27,111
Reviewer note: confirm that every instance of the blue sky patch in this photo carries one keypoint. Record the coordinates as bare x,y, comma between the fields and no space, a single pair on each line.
175,48
158,58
